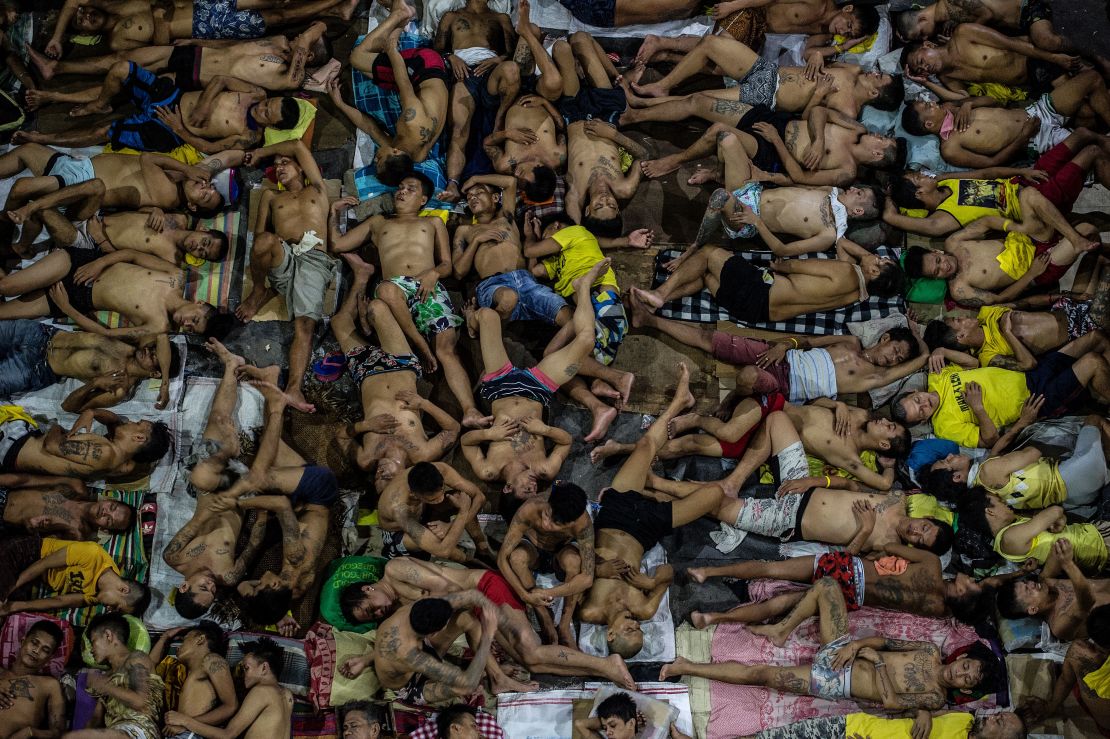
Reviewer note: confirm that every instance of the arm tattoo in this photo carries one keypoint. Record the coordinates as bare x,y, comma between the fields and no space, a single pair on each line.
138,675
586,550
711,222
434,669
1009,363
215,664
292,548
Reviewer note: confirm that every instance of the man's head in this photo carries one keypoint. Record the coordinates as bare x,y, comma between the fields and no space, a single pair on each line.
881,152
926,533
38,645
195,595
89,20
125,596
202,199
108,634
945,335
194,318
538,181
946,479
976,668
624,635
914,25
1024,597
895,346
288,171
922,262
283,113
923,118
602,216
566,504
112,515
854,21
521,482
617,715
910,409
360,720
969,601
262,661
883,91
265,600
426,483
413,192
862,201
147,441
457,722
890,437
884,277
207,637
922,58
915,190
483,199
428,616
320,52
998,725
207,244
983,513
392,164
362,603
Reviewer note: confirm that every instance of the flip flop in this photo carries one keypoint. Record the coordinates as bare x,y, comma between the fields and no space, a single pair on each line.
330,367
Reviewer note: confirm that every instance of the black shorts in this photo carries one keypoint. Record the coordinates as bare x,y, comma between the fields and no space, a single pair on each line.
317,486
766,157
482,124
547,563
645,520
80,296
593,103
1033,11
1039,77
184,63
743,293
1054,378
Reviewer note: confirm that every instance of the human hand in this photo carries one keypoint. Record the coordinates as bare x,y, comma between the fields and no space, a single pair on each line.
774,355
334,91
171,117
223,502
97,681
438,529
1034,175
600,129
673,264
842,420
963,117
410,400
504,429
1030,565
175,718
530,101
973,394
163,396
537,599
82,425
200,174
199,115
613,569
1062,551
865,515
1033,710
532,230
525,136
745,216
815,65
802,484
1031,410
352,667
767,132
460,500
288,626
1030,127
922,725
1071,63
344,204
1040,264
1061,521
846,655
428,281
382,423
485,66
869,654
531,425
458,67
53,48
937,362
641,238
86,274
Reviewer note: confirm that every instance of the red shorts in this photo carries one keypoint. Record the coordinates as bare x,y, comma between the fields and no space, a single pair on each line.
1054,272
768,404
841,567
497,589
1065,180
421,64
742,350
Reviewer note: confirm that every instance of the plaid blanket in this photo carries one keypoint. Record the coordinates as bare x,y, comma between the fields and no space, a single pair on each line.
294,670
487,727
703,309
16,627
221,283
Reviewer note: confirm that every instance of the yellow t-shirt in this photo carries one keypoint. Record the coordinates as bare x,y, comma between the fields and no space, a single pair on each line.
580,252
994,343
86,561
948,726
1099,680
1004,393
973,199
1087,544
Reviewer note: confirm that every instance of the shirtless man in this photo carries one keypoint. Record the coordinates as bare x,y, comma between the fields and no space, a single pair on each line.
59,507
1064,603
516,453
629,12
531,145
845,88
839,433
267,707
979,133
34,705
631,523
982,271
233,117
918,588
977,54
406,580
294,256
828,148
273,63
208,693
896,673
788,288
407,652
1084,657
394,437
203,550
1012,16
422,94
415,255
129,696
401,512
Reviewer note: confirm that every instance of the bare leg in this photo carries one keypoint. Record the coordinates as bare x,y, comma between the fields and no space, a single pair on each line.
558,660
344,322
363,55
458,380
690,277
294,13
749,613
630,12
550,82
786,679
730,55
222,427
705,146
266,254
299,352
634,472
394,297
697,336
462,110
653,44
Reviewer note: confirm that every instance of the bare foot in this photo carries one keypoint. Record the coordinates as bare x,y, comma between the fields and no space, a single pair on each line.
702,175
248,308
32,137
682,424
296,399
473,419
524,17
656,168
92,108
403,11
587,280
470,313
43,63
771,632
506,684
19,215
566,636
648,297
652,90
674,669
604,390
682,395
602,422
37,98
363,270
697,574
265,379
624,386
231,360
640,313
606,450
620,674
700,620
647,49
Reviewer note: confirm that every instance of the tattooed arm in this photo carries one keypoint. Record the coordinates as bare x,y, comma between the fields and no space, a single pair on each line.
219,674
581,582
454,481
254,544
513,539
174,553
137,667
293,551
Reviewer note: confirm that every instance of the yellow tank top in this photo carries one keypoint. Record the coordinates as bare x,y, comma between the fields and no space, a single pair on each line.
972,199
1099,680
1086,542
1017,255
1037,486
994,343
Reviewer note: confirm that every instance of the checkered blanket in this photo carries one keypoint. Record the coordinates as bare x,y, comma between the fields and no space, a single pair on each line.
487,727
702,308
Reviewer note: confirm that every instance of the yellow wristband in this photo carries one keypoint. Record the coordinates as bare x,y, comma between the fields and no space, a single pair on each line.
828,481
796,344
1006,225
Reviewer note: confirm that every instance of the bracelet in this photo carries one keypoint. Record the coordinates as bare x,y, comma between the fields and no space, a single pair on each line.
828,481
1006,225
879,664
449,181
796,344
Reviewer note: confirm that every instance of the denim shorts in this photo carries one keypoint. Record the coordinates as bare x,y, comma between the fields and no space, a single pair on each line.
535,302
23,365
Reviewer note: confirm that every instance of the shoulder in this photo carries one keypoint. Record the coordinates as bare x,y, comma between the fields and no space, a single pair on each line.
215,663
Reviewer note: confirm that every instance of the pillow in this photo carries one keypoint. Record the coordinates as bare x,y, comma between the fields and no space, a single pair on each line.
16,627
138,639
869,332
1016,633
343,690
339,574
294,671
658,715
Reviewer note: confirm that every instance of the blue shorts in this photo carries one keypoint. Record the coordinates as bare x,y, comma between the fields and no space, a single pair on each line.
23,364
535,302
316,487
143,130
601,13
1054,378
610,323
593,103
222,19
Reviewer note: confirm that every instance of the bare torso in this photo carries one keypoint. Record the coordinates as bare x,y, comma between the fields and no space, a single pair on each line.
605,594
1040,331
29,695
828,518
501,252
49,511
979,265
797,211
546,150
137,293
227,118
977,62
128,230
406,245
796,294
70,358
802,16
1067,620
918,590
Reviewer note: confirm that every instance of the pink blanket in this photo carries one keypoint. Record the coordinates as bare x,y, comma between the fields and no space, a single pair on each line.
738,710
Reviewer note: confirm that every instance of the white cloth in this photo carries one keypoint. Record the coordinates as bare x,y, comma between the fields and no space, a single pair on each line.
812,374
474,55
308,242
549,714
1053,128
840,213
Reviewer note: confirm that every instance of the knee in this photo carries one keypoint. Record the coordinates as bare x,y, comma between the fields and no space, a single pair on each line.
120,70
445,342
509,73
505,300
747,375
388,293
579,39
825,585
487,314
520,559
570,561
